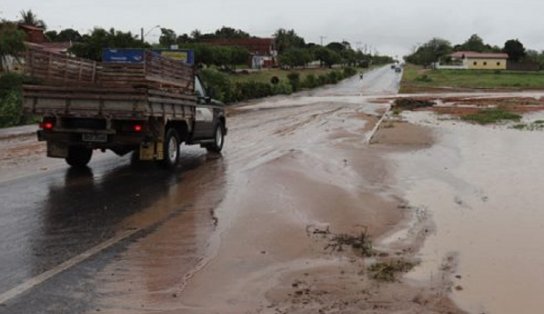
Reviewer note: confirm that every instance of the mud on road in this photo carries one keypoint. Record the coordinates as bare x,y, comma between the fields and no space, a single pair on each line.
299,215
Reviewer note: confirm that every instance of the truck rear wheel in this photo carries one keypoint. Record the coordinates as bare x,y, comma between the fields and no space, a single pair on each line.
78,156
218,139
171,149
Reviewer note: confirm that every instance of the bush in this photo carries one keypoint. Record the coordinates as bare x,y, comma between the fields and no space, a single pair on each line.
334,77
322,79
424,78
294,80
250,90
218,85
282,88
349,71
11,113
310,81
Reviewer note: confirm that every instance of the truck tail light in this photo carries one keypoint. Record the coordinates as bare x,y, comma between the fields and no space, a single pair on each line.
137,128
47,124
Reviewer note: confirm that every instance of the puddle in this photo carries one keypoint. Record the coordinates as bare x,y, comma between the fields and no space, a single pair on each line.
482,187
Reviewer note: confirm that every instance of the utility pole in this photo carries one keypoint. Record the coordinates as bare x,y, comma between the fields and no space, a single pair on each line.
321,38
149,31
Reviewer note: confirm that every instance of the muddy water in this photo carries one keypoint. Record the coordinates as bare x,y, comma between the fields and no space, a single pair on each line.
482,188
286,170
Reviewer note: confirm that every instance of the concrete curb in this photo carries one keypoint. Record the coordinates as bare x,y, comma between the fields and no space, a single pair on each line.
10,133
377,126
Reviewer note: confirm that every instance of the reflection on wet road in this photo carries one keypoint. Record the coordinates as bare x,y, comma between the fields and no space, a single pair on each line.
50,217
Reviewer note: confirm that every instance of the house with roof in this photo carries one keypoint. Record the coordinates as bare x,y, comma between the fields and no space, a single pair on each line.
481,60
35,38
472,60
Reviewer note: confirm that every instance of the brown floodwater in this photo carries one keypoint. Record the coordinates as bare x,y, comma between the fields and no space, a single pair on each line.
482,189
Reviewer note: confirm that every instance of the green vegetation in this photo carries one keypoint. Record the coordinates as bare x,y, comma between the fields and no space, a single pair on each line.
11,42
238,87
416,79
388,271
91,45
337,61
11,113
537,125
489,116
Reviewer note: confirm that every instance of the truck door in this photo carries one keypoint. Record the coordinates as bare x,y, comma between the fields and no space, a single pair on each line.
204,113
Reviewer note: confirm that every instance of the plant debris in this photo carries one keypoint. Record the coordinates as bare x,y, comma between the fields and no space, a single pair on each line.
360,243
411,104
387,271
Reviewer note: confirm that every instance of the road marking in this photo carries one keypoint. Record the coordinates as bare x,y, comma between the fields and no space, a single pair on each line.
377,126
35,281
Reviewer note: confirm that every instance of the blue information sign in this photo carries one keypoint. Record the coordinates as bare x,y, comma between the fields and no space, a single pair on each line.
125,55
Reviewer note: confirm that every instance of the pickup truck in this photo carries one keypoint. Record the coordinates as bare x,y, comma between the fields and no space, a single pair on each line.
148,108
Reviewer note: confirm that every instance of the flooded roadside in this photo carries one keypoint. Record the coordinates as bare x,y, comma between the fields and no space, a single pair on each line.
481,188
297,179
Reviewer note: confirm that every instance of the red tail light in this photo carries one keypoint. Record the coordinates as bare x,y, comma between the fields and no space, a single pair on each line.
137,128
47,125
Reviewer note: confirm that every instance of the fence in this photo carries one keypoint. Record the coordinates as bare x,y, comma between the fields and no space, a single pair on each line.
155,72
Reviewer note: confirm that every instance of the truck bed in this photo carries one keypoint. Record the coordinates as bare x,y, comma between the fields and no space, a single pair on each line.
157,87
107,102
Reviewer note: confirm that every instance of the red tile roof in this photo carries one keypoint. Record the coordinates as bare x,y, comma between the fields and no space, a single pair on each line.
478,55
259,46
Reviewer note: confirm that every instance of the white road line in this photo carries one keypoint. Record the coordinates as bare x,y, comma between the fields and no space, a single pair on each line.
377,126
35,281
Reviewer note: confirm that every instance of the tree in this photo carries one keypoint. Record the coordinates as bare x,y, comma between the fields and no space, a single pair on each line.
196,35
327,56
336,46
229,33
168,37
430,52
64,35
69,34
474,43
11,42
515,50
91,45
293,57
29,18
286,39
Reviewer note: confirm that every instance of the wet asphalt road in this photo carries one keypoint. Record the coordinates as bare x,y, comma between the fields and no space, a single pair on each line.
48,218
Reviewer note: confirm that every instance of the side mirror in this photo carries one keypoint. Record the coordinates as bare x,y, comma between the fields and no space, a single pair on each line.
205,99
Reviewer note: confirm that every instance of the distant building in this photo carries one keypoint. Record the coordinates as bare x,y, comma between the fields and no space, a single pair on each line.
35,38
480,60
262,50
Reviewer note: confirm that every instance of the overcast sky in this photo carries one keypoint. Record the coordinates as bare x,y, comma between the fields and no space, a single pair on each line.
392,27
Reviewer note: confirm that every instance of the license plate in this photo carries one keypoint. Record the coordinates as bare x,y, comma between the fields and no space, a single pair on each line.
98,138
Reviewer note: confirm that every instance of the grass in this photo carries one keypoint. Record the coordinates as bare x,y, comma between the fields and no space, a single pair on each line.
388,271
416,79
489,116
537,125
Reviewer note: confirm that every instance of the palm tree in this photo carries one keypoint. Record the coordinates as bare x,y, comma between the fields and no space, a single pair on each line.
29,18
